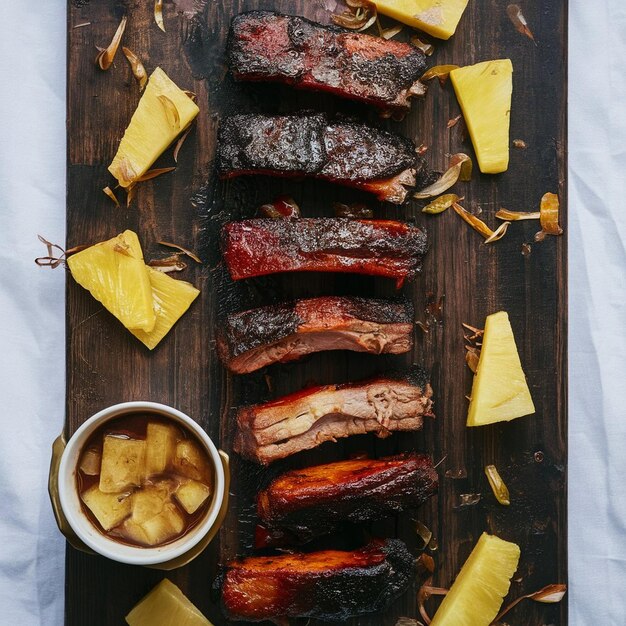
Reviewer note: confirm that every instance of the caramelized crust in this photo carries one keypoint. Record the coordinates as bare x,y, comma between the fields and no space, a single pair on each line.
315,145
387,248
267,46
252,339
305,503
328,585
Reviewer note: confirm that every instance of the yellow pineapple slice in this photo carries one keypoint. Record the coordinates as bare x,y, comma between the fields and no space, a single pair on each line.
110,509
160,447
163,526
114,273
163,112
484,92
166,605
192,462
122,463
192,495
149,501
438,18
484,580
171,298
500,391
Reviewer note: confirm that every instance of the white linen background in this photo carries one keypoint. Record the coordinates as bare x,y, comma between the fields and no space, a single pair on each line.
32,386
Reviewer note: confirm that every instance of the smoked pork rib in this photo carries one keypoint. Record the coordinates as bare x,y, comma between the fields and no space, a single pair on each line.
261,246
318,146
328,585
305,419
304,503
250,340
267,46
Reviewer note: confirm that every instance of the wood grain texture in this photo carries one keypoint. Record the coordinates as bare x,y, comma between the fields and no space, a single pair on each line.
106,365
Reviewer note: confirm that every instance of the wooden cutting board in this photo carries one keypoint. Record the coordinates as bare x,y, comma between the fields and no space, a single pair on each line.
106,365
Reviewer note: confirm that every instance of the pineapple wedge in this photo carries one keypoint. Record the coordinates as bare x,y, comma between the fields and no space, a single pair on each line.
114,273
500,391
484,93
191,462
164,526
163,112
122,464
149,502
192,495
110,509
484,580
160,447
171,299
166,605
438,18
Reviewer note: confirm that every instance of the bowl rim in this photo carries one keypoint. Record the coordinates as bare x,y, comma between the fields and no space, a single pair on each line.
93,537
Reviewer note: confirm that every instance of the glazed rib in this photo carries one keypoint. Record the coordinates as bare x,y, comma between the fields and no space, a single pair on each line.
304,503
279,333
267,46
263,246
314,145
328,585
304,420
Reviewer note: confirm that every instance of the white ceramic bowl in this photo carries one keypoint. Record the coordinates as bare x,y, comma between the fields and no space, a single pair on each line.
83,527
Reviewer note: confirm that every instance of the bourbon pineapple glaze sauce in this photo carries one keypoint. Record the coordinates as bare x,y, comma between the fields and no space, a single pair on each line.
144,480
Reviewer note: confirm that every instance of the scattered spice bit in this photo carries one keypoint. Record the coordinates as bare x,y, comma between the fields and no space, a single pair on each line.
519,21
185,251
170,110
476,223
356,210
469,499
549,217
131,190
423,326
551,594
283,206
499,488
472,355
426,47
424,533
179,143
466,163
389,33
158,14
434,308
454,121
519,143
515,216
526,249
442,72
139,71
498,233
52,261
478,332
154,173
422,149
447,179
440,204
359,16
171,263
105,57
456,474
109,192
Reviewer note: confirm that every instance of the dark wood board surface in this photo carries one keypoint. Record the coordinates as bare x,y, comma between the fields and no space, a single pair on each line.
106,365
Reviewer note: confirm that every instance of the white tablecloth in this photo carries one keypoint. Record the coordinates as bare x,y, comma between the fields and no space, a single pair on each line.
32,201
